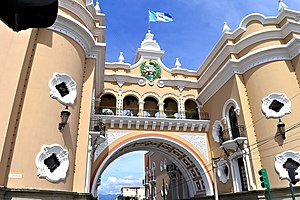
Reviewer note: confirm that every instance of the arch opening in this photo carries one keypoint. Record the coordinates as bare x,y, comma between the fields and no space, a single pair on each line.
130,106
189,163
107,105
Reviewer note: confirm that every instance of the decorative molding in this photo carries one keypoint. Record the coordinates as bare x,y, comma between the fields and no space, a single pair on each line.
280,103
223,167
160,83
216,130
199,141
235,155
63,88
225,109
280,161
142,82
120,83
111,136
58,166
255,58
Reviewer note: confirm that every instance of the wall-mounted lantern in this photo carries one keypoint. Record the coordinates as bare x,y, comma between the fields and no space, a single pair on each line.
281,128
64,115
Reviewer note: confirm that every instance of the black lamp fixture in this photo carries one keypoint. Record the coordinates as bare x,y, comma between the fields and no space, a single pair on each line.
64,115
281,128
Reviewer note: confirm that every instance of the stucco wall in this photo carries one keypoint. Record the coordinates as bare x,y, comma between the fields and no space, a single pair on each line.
41,114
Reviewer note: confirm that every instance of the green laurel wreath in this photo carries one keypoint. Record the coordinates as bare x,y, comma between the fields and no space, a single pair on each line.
156,73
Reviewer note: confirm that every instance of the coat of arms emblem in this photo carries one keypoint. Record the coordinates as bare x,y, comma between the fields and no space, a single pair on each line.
150,71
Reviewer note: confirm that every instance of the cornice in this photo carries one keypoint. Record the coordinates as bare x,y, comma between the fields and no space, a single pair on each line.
83,13
122,77
79,33
117,65
247,62
242,28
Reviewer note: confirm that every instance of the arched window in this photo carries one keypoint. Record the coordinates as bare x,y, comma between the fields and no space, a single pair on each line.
151,107
130,106
107,105
233,123
191,109
171,108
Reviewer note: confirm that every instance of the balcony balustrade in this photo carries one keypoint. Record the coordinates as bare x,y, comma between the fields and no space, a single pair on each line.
105,110
130,112
152,119
231,138
97,131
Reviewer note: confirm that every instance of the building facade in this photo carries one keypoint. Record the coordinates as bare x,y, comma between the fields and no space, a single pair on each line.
130,193
66,114
240,104
46,75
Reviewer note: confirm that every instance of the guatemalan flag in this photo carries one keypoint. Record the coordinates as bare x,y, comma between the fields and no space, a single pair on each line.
159,17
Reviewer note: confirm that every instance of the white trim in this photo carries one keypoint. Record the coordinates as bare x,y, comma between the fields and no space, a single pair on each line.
185,172
215,130
280,97
221,167
61,154
80,34
226,107
57,79
280,160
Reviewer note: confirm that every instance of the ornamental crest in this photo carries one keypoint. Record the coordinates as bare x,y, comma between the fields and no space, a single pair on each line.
150,71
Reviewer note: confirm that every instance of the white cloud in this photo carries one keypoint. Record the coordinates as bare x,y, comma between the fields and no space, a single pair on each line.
113,184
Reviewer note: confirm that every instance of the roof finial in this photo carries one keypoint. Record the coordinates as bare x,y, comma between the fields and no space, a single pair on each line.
177,63
121,57
97,7
226,28
282,6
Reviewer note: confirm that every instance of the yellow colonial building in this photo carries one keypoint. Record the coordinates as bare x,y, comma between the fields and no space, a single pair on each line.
66,114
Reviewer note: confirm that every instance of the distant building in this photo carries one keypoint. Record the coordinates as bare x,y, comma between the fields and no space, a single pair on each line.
132,193
163,180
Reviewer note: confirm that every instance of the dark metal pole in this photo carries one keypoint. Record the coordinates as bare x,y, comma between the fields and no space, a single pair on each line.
269,193
164,194
292,191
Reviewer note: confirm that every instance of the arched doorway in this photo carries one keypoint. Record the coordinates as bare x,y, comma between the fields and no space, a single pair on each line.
190,162
191,109
151,108
130,106
107,105
171,108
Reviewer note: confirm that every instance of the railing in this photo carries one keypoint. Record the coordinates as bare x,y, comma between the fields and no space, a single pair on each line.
172,114
130,112
151,113
232,133
191,114
97,126
105,110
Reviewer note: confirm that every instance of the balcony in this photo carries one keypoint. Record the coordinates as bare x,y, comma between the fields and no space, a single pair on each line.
191,114
145,183
130,112
230,139
97,131
151,119
105,110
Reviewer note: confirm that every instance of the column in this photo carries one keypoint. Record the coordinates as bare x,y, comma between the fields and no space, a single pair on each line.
181,107
161,109
89,165
141,109
119,106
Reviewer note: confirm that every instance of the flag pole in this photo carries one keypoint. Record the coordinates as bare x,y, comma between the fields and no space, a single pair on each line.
148,21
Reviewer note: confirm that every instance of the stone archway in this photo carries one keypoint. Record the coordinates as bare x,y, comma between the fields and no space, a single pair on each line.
190,161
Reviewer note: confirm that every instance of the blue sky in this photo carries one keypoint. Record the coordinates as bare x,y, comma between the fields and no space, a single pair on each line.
127,170
196,28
